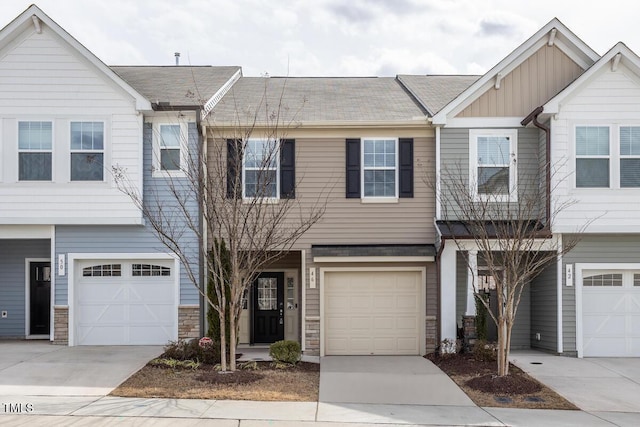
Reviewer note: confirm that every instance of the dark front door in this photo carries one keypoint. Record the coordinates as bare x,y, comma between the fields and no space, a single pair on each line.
39,297
268,308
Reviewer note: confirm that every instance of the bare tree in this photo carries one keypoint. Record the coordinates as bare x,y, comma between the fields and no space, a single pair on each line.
511,228
229,199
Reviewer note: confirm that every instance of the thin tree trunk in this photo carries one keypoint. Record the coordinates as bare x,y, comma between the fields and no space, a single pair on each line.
232,338
223,339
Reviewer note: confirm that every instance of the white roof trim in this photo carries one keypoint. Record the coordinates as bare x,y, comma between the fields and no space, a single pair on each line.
616,54
373,259
563,38
33,13
213,101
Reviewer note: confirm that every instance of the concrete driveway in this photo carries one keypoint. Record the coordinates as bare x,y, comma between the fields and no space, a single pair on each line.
38,368
593,384
408,380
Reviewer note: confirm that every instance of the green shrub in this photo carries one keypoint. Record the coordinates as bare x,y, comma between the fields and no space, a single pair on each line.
285,352
183,350
484,351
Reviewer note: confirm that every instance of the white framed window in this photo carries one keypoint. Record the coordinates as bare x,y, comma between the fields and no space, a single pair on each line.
87,151
261,169
379,168
169,149
35,150
593,156
629,156
492,164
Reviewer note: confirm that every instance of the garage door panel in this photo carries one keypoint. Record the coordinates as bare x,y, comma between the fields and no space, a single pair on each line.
383,312
610,314
125,309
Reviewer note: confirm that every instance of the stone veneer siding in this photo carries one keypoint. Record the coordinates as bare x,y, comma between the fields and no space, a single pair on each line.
188,322
312,331
61,325
432,334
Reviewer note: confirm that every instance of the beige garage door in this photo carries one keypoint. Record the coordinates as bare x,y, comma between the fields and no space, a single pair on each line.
372,312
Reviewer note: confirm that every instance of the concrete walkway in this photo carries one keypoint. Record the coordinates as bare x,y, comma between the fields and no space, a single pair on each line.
54,411
38,368
407,380
592,384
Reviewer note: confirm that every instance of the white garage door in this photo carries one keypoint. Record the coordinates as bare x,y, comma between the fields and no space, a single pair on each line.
372,312
611,313
124,302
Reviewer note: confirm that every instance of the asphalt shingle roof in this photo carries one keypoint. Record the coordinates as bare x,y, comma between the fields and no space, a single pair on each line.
436,91
315,99
176,85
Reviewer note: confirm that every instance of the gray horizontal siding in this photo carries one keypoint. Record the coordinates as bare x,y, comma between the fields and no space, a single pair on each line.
461,287
610,248
454,148
12,281
158,193
544,309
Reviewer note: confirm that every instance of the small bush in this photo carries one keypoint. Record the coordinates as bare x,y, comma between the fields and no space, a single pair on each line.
285,352
449,347
175,364
484,351
182,350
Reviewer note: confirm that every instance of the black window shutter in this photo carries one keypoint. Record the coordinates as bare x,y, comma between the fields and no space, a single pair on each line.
234,189
406,166
353,169
288,169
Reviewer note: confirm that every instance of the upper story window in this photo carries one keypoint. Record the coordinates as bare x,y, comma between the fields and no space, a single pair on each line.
169,149
379,168
629,156
35,145
592,156
492,164
87,151
260,169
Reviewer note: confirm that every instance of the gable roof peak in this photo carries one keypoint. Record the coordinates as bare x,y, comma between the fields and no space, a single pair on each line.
554,33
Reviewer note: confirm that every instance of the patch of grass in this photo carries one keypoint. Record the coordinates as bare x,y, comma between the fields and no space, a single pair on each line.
298,383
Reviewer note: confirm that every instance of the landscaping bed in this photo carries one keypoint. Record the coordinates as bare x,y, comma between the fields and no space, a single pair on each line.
265,382
479,381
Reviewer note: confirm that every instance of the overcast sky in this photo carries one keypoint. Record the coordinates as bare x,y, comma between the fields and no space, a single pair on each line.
329,37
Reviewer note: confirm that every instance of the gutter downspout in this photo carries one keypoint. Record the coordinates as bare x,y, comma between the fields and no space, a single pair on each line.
533,116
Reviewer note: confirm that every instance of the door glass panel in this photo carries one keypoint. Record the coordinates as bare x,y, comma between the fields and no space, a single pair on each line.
290,294
267,293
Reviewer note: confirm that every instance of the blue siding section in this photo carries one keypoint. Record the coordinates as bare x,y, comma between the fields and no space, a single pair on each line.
544,309
12,281
158,193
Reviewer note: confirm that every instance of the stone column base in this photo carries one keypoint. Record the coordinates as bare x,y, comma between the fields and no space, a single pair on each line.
312,337
431,330
61,325
188,321
469,332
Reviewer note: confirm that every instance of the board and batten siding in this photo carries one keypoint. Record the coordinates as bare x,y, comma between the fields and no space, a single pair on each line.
545,73
42,78
592,248
12,281
454,169
138,239
609,98
544,309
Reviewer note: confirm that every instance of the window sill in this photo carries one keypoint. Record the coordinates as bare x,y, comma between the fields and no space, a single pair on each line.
270,201
378,200
168,174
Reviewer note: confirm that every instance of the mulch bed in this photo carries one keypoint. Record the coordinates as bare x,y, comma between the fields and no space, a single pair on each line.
267,383
480,381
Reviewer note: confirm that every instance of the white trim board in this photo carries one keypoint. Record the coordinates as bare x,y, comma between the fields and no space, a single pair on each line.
372,259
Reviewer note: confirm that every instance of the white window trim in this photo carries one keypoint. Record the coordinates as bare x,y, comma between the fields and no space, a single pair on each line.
378,199
277,154
52,151
512,134
103,151
614,146
624,156
184,149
